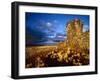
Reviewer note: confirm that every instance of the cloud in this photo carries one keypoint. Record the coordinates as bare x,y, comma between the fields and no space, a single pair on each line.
48,24
85,28
55,21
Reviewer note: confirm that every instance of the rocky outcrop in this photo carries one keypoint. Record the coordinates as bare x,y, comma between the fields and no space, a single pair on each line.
77,39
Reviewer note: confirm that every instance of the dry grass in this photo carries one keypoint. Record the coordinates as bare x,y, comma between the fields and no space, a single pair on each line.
57,55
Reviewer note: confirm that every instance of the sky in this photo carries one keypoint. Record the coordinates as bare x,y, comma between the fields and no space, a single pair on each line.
47,28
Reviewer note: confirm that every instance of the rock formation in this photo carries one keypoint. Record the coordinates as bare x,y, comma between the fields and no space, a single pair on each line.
77,39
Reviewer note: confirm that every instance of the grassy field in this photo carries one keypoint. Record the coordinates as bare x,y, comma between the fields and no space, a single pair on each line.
39,50
54,55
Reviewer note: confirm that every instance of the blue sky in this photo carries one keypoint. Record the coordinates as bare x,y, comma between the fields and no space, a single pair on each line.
44,28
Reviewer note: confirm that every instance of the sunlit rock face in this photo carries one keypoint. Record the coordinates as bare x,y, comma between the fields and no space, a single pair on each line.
77,39
74,28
